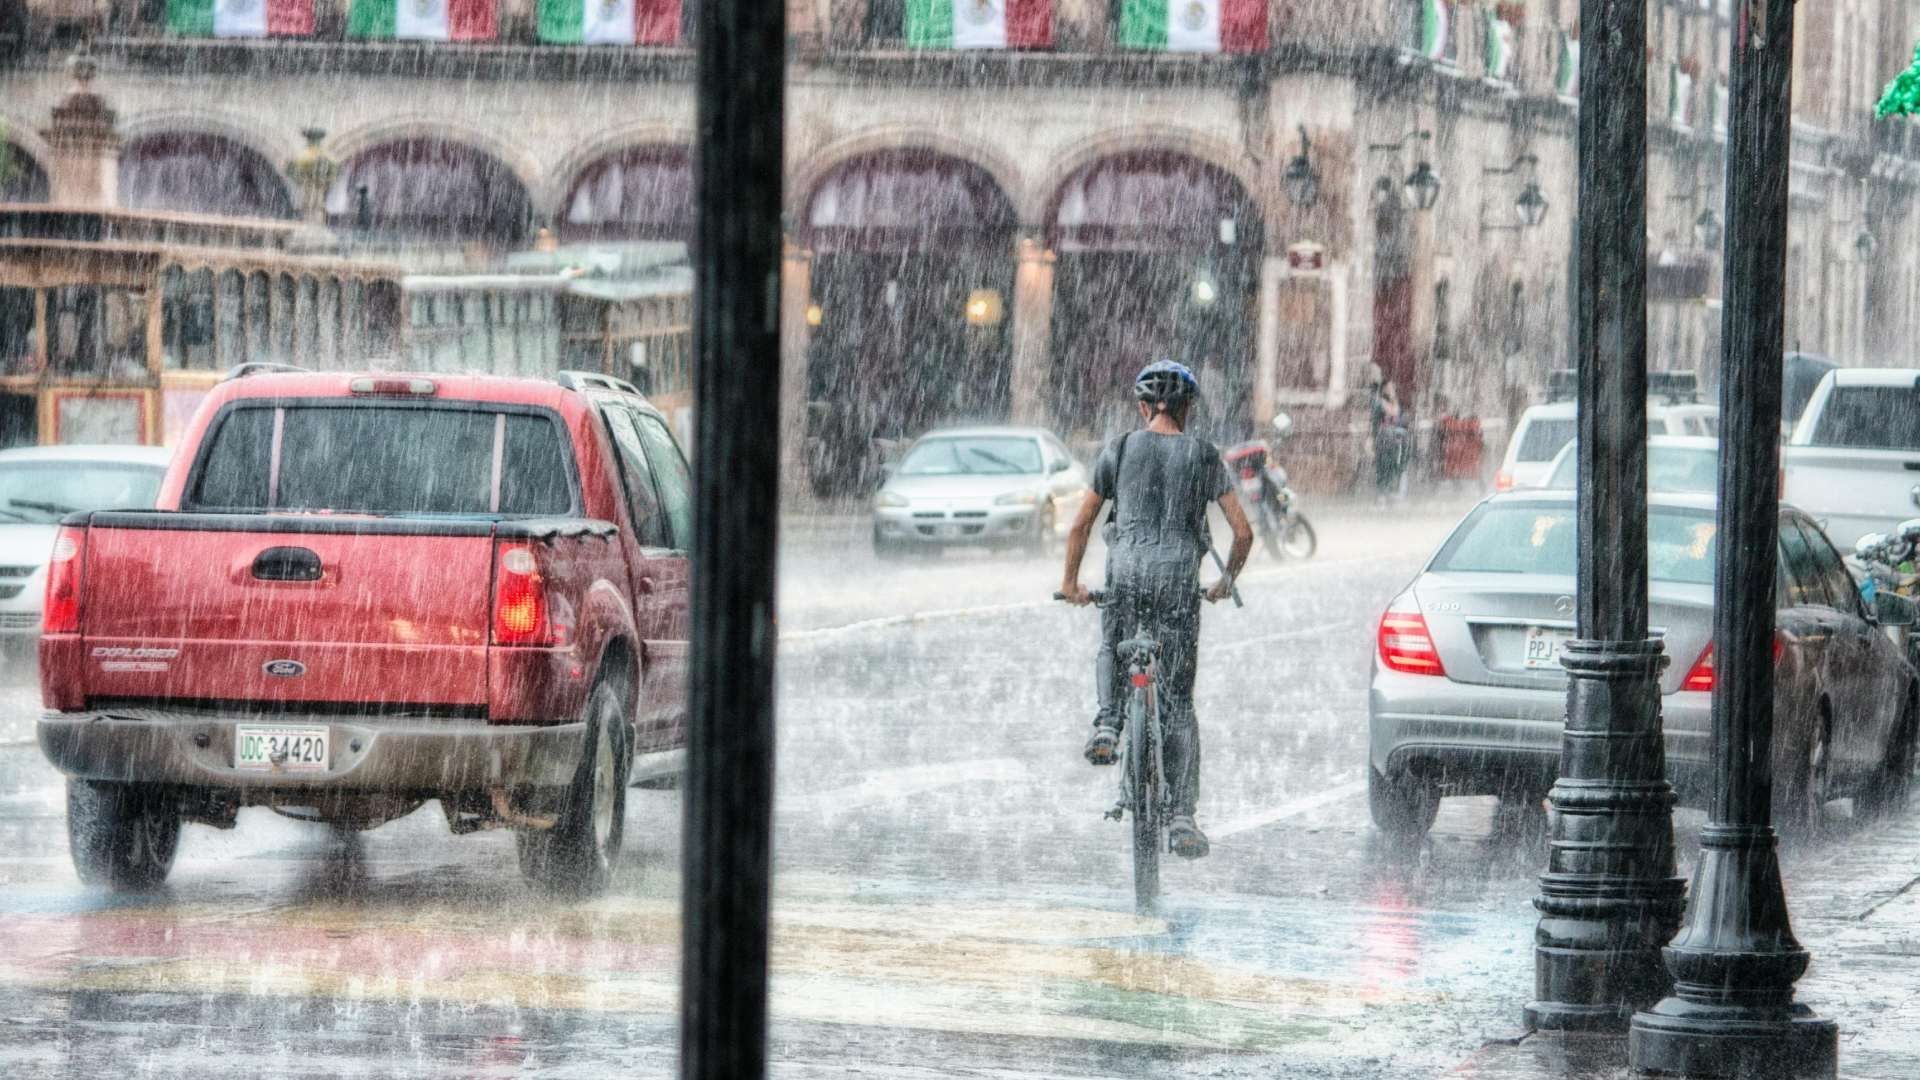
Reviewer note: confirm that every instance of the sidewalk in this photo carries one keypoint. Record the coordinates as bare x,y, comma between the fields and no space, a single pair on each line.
1856,908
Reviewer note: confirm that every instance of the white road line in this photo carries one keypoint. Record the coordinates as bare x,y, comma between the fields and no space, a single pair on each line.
1283,635
885,784
794,637
1295,808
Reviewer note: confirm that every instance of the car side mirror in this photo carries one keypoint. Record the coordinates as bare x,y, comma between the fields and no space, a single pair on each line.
1892,609
1061,465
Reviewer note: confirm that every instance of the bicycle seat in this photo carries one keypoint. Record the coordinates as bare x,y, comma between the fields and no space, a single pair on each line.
1140,646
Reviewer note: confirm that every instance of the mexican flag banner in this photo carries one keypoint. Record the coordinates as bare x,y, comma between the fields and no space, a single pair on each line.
980,24
1499,47
240,18
610,22
1436,25
422,20
1194,25
1903,93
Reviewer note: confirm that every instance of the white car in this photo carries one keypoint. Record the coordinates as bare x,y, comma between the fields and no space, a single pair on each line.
39,485
1853,461
1544,430
979,486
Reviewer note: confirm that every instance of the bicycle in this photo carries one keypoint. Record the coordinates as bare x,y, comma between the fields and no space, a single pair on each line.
1143,786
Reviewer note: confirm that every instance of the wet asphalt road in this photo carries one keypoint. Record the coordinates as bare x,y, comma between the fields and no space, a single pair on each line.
949,899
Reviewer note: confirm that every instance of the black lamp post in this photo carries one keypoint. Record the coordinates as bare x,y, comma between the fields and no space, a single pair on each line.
1732,1012
1422,185
1609,898
1300,180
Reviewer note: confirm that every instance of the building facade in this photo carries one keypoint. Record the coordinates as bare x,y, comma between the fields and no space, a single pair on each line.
1381,189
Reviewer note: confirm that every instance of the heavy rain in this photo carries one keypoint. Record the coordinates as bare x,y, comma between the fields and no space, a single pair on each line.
1267,537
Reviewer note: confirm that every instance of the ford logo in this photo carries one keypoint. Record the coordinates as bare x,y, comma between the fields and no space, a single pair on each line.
284,669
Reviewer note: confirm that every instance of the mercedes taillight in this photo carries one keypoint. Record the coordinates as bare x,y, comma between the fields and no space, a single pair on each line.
1700,675
61,613
1405,643
520,608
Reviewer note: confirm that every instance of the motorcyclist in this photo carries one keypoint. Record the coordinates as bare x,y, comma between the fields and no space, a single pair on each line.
1160,480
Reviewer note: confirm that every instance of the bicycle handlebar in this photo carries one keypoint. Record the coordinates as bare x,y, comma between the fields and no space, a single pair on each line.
1099,596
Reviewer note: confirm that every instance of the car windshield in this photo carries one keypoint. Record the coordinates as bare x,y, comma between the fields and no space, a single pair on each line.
1871,418
386,460
1538,538
1669,468
1542,438
990,455
45,491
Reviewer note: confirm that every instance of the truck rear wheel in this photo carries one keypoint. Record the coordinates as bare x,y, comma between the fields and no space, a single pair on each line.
576,856
122,836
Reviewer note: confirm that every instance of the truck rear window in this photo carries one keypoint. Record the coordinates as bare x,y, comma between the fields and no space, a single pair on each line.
1543,438
391,459
1870,418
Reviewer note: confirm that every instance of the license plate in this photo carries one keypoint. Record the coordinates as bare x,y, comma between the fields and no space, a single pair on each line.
1543,647
280,748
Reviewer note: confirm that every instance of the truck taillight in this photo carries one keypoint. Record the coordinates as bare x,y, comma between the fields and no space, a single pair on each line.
520,615
1405,643
61,613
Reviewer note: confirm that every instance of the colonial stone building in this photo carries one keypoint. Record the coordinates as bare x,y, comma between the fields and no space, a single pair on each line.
1386,185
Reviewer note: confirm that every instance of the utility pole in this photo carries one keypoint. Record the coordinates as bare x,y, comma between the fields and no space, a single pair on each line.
1732,1013
1609,898
741,86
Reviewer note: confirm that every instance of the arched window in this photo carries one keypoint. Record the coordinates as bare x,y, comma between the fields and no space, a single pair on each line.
202,174
22,180
640,193
431,190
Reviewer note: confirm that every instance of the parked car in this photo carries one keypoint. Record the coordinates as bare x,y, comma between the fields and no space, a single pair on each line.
1674,463
1468,695
1853,460
41,484
1545,430
979,486
363,592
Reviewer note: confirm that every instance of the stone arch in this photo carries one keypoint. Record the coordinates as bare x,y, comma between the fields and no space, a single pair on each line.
432,188
1156,139
271,144
806,176
561,175
200,171
23,177
640,191
16,130
524,166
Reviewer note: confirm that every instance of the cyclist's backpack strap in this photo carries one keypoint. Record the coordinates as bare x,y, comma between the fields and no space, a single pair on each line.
1119,461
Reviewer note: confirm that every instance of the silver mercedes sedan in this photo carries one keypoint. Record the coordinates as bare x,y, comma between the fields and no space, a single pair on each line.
979,486
1468,694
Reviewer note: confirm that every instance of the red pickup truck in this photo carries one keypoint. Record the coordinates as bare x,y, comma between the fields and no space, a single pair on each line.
360,592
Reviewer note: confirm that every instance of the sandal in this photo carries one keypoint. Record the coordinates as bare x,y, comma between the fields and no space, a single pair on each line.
1185,839
1103,746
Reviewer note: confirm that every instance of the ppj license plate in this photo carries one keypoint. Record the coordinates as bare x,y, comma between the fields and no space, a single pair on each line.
1543,647
280,747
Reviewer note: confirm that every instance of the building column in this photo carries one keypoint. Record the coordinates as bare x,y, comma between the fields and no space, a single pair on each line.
84,166
796,299
1032,330
1273,269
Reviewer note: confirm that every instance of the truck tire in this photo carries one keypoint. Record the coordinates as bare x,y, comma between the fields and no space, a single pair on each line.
576,856
122,836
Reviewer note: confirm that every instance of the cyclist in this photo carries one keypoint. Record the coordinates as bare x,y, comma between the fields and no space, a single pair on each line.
1159,480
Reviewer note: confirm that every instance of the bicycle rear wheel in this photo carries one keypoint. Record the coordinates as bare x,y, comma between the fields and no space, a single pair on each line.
1145,785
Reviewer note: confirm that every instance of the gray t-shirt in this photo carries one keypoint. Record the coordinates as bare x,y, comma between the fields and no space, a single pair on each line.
1164,484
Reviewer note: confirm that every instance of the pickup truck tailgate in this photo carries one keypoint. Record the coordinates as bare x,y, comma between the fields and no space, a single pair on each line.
1853,491
286,615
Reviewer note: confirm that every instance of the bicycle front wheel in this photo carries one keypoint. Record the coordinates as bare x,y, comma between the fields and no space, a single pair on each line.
1145,786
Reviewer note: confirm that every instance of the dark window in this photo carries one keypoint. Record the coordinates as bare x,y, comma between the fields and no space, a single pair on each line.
1802,577
1543,438
382,459
670,477
16,332
886,21
1871,418
636,476
1841,591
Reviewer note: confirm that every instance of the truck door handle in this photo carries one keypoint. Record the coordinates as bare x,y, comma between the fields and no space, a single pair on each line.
287,564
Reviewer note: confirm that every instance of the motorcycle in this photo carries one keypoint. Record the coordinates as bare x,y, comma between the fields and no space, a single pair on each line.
1271,505
1890,562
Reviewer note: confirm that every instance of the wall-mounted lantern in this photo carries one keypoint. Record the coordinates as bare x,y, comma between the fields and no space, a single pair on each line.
1300,180
1422,185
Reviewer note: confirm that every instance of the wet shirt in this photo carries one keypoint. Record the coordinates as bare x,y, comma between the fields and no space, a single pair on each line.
1164,484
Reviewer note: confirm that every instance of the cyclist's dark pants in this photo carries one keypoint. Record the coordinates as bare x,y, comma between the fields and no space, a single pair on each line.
1166,598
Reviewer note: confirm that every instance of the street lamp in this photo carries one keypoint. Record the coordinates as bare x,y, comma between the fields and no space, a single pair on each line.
1422,185
1530,208
1301,182
1865,245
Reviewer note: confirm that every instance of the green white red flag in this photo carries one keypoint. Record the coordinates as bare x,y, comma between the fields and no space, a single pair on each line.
1236,26
423,20
240,18
980,24
609,22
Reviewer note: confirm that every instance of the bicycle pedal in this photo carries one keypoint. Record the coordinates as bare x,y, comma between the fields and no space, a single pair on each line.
1115,814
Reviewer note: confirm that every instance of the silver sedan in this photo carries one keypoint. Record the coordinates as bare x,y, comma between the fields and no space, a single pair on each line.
1468,695
978,486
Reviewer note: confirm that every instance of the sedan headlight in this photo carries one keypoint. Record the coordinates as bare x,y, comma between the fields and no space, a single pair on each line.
1018,498
889,500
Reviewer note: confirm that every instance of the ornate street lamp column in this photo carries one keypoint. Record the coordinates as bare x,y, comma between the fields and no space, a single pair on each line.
1609,898
1732,1013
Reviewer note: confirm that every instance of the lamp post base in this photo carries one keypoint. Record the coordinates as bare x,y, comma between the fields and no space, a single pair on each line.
1684,1038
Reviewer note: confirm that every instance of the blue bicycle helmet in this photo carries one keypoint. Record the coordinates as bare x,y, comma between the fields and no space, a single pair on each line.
1165,382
